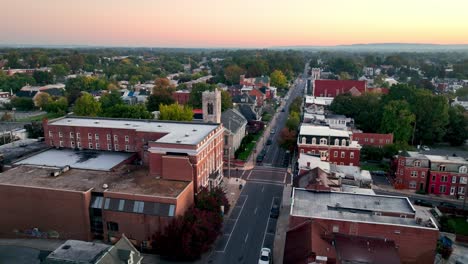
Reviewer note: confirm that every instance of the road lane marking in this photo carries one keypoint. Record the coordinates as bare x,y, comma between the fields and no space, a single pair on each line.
263,188
235,224
285,176
246,237
266,182
266,226
255,212
250,173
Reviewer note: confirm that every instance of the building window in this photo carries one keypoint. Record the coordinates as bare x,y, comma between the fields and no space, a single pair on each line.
371,140
127,147
387,141
463,180
138,207
343,142
351,155
226,140
90,145
414,174
336,229
343,154
97,146
461,190
78,135
366,140
108,137
401,171
335,154
50,134
314,141
112,226
441,167
454,179
337,142
126,138
116,138
72,144
78,144
60,134
442,189
452,190
433,178
412,184
304,140
72,135
444,178
90,136
116,147
96,136
109,146
121,204
323,141
463,169
417,163
423,174
61,143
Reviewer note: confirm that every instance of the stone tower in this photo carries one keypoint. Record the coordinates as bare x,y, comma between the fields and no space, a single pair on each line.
211,102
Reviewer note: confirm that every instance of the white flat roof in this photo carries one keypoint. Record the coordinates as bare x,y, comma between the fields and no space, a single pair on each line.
189,133
318,100
321,131
447,159
314,162
88,160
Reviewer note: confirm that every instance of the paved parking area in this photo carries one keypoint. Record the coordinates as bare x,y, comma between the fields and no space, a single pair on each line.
19,255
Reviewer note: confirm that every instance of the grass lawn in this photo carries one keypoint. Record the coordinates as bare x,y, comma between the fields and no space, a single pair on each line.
39,117
244,155
459,225
374,167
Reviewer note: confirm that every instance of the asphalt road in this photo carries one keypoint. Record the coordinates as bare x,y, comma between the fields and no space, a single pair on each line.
249,227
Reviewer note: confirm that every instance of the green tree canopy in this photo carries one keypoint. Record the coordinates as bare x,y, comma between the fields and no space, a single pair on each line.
22,103
226,100
398,119
59,106
110,100
176,112
232,74
457,129
196,93
278,79
138,111
85,105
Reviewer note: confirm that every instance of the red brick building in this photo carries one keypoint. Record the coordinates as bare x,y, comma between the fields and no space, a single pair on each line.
256,82
373,139
181,97
336,227
186,151
334,146
438,175
332,88
89,204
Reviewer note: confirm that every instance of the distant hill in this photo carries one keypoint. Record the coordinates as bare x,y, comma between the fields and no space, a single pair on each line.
384,47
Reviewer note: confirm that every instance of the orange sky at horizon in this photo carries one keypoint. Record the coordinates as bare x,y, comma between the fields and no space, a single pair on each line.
239,23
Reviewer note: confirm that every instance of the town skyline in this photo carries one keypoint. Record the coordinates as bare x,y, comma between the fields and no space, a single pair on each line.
242,24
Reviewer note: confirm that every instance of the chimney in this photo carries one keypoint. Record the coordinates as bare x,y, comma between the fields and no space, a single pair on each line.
308,164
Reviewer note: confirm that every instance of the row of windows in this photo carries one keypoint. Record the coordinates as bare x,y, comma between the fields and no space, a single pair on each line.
131,206
381,141
90,136
324,153
97,146
323,141
444,178
417,163
443,189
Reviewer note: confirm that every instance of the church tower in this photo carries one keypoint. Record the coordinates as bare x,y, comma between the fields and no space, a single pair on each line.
211,102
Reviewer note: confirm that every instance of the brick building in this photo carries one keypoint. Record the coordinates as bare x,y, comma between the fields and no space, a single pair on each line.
440,175
373,139
46,202
181,97
334,146
256,82
332,88
336,227
172,150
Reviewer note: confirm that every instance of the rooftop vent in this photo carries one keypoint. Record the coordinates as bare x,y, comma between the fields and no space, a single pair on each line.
127,124
194,130
337,205
105,186
66,247
377,202
96,122
187,134
178,141
159,125
69,121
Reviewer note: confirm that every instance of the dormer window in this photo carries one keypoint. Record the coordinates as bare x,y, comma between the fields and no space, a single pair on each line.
343,142
417,163
462,169
314,141
323,141
337,142
441,167
303,140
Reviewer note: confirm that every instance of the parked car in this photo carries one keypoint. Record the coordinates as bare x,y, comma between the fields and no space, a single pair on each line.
448,205
282,110
423,203
260,158
425,148
274,213
269,142
265,256
273,131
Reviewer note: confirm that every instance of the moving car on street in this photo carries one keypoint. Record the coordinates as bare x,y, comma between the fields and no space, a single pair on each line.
265,256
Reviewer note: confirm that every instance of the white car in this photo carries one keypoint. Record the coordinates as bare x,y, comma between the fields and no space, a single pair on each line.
426,148
265,256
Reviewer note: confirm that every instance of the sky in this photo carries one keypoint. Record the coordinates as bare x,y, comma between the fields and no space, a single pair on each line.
232,23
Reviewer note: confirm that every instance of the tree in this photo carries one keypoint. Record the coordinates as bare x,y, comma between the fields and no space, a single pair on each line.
288,138
293,121
176,112
76,61
226,100
398,119
60,70
196,93
162,94
277,79
43,77
212,200
138,111
110,100
87,106
13,59
22,103
232,74
457,129
34,129
59,106
43,99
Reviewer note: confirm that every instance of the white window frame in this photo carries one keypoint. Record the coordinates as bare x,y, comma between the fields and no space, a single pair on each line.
412,185
90,136
90,145
454,179
116,147
96,136
452,190
351,155
78,135
463,169
323,141
109,146
72,144
417,163
442,187
78,144
72,135
97,146
51,135
414,173
127,139
61,143
127,147
60,134
343,154
116,138
335,154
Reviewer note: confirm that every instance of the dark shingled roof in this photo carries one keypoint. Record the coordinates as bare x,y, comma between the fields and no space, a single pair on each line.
236,118
29,94
247,112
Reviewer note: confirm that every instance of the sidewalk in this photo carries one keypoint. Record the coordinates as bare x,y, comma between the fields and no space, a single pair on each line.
282,225
36,243
231,187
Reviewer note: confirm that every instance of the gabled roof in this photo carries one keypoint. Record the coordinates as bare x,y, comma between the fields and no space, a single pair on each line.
233,120
247,112
27,94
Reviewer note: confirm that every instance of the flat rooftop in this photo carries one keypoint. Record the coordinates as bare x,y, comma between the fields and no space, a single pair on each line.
322,131
447,159
353,207
82,159
75,251
129,179
189,133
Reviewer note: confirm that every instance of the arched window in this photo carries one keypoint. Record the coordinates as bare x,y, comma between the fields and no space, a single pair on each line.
337,142
323,141
343,142
303,140
314,141
210,108
463,169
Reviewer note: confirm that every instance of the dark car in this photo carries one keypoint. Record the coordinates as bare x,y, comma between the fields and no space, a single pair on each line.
282,110
274,211
269,142
447,205
422,203
260,158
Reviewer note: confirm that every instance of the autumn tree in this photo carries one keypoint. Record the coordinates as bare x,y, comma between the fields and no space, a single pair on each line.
278,79
162,94
232,73
87,106
175,112
42,100
58,106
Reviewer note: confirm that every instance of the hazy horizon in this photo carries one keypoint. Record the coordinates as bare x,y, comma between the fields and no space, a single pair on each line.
233,24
